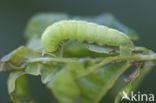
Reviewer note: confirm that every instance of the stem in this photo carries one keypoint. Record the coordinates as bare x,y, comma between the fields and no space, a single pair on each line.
46,59
137,58
119,59
103,62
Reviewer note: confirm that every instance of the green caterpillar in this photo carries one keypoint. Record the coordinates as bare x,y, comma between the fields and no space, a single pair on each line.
85,32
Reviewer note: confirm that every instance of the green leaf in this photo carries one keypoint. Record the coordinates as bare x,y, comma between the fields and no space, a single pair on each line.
85,18
95,85
33,68
46,70
17,59
60,82
81,50
105,50
17,87
64,87
141,49
34,43
76,69
47,73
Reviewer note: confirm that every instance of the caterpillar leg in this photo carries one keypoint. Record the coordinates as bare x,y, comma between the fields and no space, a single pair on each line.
61,49
125,51
43,53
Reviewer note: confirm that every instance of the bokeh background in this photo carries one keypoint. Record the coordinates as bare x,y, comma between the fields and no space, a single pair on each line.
14,14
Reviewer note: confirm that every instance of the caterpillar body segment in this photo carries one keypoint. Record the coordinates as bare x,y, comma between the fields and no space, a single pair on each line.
84,31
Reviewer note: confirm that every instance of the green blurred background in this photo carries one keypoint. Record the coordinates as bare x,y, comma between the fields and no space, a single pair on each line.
14,14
